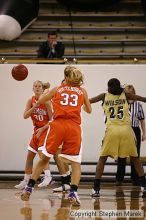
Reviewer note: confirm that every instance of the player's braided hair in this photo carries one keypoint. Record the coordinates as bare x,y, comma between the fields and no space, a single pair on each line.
68,69
73,76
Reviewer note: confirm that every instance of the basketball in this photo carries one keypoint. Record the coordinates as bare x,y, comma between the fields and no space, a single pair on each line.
19,72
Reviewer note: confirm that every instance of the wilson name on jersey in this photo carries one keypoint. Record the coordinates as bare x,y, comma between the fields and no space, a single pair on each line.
116,109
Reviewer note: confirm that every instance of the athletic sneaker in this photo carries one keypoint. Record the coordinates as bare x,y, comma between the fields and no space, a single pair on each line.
22,184
62,188
46,181
95,193
26,193
74,198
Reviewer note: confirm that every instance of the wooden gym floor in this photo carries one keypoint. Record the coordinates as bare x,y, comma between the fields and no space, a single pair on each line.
45,205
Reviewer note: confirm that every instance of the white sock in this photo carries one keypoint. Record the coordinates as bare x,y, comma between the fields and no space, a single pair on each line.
64,175
27,177
47,172
68,173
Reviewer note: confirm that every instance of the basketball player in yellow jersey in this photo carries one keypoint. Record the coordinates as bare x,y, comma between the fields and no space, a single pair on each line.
119,139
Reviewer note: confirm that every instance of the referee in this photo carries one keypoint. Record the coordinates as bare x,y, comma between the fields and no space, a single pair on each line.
138,125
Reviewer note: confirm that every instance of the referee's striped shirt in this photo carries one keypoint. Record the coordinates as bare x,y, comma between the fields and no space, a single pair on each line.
136,113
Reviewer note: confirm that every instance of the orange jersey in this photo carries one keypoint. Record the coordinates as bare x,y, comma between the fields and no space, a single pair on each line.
40,114
67,103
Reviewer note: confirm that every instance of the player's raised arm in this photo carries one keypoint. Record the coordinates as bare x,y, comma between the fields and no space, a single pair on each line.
87,106
47,96
28,109
97,98
135,97
49,109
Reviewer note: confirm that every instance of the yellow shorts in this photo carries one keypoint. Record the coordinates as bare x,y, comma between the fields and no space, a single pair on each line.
119,141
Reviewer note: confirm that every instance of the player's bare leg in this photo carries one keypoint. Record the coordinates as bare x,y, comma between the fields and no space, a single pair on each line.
35,175
64,172
75,179
99,171
28,170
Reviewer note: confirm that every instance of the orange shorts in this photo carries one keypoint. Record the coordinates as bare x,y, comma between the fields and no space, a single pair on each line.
35,142
65,132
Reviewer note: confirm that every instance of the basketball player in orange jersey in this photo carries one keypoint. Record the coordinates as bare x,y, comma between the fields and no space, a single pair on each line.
67,101
63,167
40,115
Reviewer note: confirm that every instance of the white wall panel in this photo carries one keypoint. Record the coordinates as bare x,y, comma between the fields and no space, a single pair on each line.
16,132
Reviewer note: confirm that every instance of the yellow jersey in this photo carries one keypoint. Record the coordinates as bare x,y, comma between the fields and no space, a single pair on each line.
116,109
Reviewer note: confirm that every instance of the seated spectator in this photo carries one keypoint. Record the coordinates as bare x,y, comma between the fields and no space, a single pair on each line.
51,48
